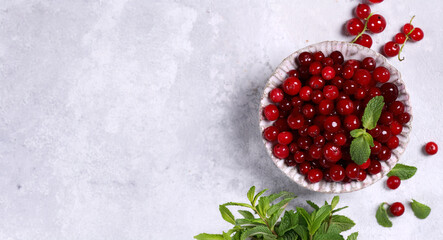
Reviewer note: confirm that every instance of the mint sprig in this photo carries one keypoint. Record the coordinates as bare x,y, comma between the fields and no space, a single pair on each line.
402,171
382,216
363,141
270,221
420,210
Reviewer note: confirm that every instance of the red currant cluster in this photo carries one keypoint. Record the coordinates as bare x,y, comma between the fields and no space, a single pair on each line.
392,48
317,106
375,23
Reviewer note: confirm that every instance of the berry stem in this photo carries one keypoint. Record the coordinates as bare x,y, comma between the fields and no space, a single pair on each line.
364,29
407,38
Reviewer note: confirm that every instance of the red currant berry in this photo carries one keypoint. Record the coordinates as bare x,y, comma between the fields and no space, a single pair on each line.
354,26
314,131
290,162
365,165
304,142
400,38
386,118
332,153
315,68
308,111
317,96
365,40
271,112
431,148
332,124
296,102
385,154
397,108
315,175
381,74
315,152
362,11
316,82
296,121
337,173
385,134
368,64
352,171
374,167
360,93
318,56
404,118
276,95
304,168
375,1
305,58
304,72
319,141
281,151
361,175
348,72
351,122
293,73
270,133
397,209
407,28
299,156
330,92
303,131
281,124
326,107
293,148
291,85
305,93
338,82
349,87
374,91
393,182
389,91
396,128
376,23
327,62
337,57
393,142
362,76
340,139
328,73
416,34
354,63
391,49
376,149
345,107
285,138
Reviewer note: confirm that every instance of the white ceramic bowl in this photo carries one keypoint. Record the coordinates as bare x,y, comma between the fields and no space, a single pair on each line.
349,51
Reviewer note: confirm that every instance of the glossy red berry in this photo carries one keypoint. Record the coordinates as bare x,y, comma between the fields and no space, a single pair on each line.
305,93
385,134
330,92
352,171
351,122
304,168
365,40
315,175
397,209
368,64
337,57
340,139
393,182
281,124
431,148
318,56
270,133
400,38
305,58
276,95
396,127
292,85
386,118
345,107
304,142
361,175
393,142
332,124
376,23
271,112
332,153
391,49
299,156
348,72
293,73
281,151
374,167
354,26
296,121
285,138
315,152
385,154
416,34
365,165
375,1
328,73
404,118
397,108
407,28
376,149
381,74
337,173
362,11
362,76
308,111
315,68
314,131
389,91
316,82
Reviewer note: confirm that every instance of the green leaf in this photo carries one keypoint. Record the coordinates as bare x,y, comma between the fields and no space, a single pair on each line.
328,236
335,201
382,216
258,195
227,236
238,204
339,209
288,222
274,196
274,218
420,210
282,204
226,214
372,112
402,171
313,205
341,222
319,217
250,222
251,193
357,132
256,231
353,236
206,236
369,139
246,214
290,235
237,235
302,231
263,205
304,214
360,150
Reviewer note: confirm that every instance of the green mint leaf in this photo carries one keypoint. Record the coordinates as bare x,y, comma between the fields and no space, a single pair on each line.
274,218
238,204
251,193
263,205
402,171
372,112
353,236
288,222
302,231
339,209
328,236
282,204
262,230
206,236
284,194
246,214
341,222
335,201
420,210
226,236
319,217
360,150
290,235
250,222
313,205
305,215
357,133
382,216
237,235
226,214
258,195
369,139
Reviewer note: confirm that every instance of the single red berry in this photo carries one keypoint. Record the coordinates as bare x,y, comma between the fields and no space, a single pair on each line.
337,173
316,82
327,62
330,92
305,58
293,73
281,151
361,175
354,63
318,56
293,148
308,111
375,1
326,107
271,112
296,121
352,171
393,182
374,167
304,142
285,105
397,209
299,156
337,57
354,26
376,23
362,76
397,108
304,71
376,149
315,175
338,82
348,72
345,107
351,122
365,40
315,152
340,139
431,148
290,162
365,165
304,168
404,118
385,134
317,96
362,11
328,73
385,154
386,118
396,128
281,124
416,34
285,138
291,85
391,49
276,95
373,91
393,142
270,133
319,141
332,124
360,93
389,91
400,38
314,131
305,93
407,28
368,64
315,68
381,74
338,69
332,153
303,131
349,87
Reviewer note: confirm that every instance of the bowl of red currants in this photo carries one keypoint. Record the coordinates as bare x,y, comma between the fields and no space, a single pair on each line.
314,100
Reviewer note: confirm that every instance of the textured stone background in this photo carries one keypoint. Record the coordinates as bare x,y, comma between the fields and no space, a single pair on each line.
135,119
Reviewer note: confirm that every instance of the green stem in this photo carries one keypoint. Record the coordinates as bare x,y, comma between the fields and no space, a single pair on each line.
364,29
407,38
264,220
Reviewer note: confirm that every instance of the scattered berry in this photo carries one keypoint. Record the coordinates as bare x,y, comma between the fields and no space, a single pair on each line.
376,23
391,49
397,209
431,148
315,175
393,182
